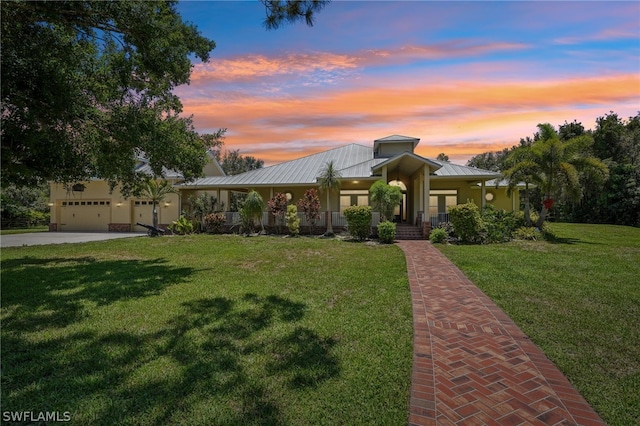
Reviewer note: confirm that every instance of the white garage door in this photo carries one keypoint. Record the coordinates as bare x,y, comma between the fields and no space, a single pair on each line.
86,215
143,213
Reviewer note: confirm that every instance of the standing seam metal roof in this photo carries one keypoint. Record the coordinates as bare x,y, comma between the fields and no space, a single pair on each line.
353,161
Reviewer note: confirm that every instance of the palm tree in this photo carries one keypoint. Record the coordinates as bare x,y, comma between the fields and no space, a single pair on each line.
329,180
556,166
522,168
156,192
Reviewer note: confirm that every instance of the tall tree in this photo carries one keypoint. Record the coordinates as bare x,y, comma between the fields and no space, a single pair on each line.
442,157
329,181
559,165
86,85
234,163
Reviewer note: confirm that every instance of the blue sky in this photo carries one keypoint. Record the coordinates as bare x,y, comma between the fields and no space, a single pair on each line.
465,77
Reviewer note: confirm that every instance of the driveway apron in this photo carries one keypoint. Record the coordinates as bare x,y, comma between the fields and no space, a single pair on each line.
471,364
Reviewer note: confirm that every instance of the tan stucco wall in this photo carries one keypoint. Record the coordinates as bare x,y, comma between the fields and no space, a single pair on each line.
110,210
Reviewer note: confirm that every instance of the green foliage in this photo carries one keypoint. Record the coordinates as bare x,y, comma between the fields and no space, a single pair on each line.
214,222
467,222
88,85
385,198
251,212
527,233
386,232
438,236
181,226
499,224
310,206
24,206
201,207
234,163
359,221
277,206
293,221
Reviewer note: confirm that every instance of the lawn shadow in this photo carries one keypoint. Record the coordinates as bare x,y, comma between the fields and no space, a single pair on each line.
51,292
214,359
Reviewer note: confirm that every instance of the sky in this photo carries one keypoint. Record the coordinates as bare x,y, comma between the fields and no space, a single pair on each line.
464,77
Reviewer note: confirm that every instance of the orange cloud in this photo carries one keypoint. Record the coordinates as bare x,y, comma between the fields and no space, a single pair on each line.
450,117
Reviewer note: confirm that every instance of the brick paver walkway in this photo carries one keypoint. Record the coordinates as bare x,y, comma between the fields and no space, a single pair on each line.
471,364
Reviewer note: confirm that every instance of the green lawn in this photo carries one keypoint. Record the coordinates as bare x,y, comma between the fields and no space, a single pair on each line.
11,231
579,300
208,330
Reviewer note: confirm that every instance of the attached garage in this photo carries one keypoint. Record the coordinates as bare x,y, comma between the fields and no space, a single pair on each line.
85,215
142,211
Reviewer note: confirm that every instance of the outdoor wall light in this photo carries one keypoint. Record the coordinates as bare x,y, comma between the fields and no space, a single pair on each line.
118,204
166,203
50,204
488,196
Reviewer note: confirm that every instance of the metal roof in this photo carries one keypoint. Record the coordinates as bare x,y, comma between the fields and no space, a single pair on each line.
354,161
455,170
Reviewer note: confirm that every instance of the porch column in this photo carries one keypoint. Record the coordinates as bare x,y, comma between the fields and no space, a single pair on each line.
426,189
483,195
384,174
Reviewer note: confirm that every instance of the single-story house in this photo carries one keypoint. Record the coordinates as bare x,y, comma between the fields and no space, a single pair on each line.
427,185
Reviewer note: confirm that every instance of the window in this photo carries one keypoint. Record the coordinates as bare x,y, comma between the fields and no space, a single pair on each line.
440,200
353,197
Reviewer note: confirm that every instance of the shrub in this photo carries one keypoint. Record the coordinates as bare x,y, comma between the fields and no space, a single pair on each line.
527,233
214,222
278,208
438,236
499,224
181,226
251,212
293,221
358,221
467,222
309,204
385,198
386,232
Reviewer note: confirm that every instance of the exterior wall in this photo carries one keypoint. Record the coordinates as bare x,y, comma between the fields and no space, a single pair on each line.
386,150
99,210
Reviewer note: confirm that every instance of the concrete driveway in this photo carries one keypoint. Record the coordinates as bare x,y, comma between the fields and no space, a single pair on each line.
41,238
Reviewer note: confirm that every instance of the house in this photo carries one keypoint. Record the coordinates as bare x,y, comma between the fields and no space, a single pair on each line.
427,185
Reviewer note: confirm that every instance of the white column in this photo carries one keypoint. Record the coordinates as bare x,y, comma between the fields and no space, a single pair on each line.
483,195
425,191
384,174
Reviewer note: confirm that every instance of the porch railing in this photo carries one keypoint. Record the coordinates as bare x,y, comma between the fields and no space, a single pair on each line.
439,218
337,219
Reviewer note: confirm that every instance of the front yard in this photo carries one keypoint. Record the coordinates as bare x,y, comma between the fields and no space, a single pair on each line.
208,330
579,300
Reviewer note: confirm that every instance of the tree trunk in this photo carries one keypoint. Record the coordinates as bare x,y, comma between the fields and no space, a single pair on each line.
543,216
155,215
329,224
527,207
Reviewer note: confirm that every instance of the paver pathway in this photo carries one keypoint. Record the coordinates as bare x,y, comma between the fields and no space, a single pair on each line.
471,364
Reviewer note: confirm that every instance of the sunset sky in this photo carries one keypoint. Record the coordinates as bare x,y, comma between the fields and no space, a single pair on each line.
465,77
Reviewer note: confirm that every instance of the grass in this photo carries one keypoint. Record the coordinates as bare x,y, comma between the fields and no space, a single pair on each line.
578,298
208,330
11,231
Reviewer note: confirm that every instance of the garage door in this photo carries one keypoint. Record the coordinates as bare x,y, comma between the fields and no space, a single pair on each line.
86,215
143,213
